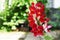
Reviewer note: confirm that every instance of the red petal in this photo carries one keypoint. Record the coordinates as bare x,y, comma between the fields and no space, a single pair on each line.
38,4
32,3
47,19
40,27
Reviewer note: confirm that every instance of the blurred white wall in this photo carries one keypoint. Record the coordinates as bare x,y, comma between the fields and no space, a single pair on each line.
53,4
56,3
2,6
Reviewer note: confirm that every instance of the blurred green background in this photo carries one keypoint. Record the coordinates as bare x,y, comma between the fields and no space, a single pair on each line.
15,13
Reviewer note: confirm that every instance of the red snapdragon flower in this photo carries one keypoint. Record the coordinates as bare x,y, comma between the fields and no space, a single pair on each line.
37,17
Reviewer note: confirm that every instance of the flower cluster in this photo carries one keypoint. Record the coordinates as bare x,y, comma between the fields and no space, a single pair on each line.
37,19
